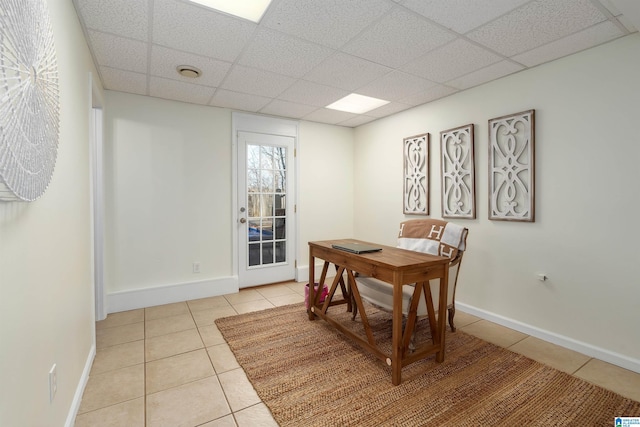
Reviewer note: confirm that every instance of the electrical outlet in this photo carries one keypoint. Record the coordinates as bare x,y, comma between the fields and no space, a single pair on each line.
53,382
196,267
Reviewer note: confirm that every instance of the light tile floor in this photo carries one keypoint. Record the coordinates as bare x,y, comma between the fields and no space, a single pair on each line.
169,365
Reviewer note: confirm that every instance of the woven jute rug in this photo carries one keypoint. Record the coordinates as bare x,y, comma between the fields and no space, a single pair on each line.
308,374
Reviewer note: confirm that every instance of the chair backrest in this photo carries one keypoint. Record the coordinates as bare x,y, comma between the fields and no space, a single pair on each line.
436,237
432,236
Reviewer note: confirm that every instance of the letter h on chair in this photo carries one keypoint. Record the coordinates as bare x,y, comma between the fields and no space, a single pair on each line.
430,236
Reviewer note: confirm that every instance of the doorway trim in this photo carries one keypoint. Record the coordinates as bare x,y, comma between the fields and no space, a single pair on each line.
246,122
96,171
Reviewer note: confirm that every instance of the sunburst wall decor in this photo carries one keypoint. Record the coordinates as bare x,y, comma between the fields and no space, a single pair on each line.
29,100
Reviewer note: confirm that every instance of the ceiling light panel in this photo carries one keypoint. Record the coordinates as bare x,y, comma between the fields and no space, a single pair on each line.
253,10
357,104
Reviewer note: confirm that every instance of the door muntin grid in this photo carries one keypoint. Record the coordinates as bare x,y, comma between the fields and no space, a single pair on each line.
266,205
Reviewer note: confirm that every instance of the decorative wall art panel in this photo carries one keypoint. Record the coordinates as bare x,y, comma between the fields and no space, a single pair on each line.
29,100
416,175
512,167
458,174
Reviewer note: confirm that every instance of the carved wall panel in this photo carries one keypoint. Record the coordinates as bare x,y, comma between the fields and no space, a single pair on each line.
511,167
458,175
416,175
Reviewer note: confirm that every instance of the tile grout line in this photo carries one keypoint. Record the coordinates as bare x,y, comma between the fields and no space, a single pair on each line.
582,366
215,373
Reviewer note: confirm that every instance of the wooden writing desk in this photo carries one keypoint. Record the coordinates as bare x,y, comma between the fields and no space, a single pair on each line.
397,267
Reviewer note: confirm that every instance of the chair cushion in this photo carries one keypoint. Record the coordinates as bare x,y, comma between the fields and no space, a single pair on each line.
380,293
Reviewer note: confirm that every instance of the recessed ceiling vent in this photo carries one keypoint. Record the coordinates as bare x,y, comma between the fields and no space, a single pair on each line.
189,71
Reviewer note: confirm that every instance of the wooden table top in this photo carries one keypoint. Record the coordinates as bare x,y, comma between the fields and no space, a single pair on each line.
389,256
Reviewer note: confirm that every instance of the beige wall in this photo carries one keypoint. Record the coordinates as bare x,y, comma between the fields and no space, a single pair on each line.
326,185
168,194
46,290
585,235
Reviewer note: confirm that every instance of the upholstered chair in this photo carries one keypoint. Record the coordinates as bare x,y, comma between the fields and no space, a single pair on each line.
431,236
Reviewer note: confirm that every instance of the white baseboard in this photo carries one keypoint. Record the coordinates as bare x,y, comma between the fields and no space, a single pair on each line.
166,294
77,397
563,341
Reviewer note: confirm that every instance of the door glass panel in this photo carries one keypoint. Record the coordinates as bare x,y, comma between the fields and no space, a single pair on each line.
280,228
253,180
281,251
266,204
281,182
266,157
253,157
267,229
254,254
267,181
253,206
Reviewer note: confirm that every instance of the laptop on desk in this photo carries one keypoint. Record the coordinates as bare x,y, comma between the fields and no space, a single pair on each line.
356,248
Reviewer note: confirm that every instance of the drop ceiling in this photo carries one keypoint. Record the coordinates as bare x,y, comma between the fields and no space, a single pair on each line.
306,54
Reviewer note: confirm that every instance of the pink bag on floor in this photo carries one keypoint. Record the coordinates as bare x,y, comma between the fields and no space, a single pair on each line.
323,294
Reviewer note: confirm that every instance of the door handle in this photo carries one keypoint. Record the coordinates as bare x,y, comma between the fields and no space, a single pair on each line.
243,220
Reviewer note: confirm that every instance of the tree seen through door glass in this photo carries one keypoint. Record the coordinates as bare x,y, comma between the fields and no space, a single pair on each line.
266,204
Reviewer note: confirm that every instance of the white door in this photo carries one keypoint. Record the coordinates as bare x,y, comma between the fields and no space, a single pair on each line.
265,209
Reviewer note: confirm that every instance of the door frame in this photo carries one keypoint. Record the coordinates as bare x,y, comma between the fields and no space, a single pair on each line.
96,199
245,122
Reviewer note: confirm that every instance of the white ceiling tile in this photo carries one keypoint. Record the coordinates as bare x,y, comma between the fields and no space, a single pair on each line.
310,93
346,72
326,115
357,121
238,101
395,86
123,81
452,60
535,24
484,75
257,82
462,15
329,22
429,95
404,51
199,30
179,91
127,18
585,39
283,54
287,109
398,38
164,63
388,109
118,52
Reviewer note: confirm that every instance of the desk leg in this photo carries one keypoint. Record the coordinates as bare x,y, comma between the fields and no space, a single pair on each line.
442,310
312,278
396,336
